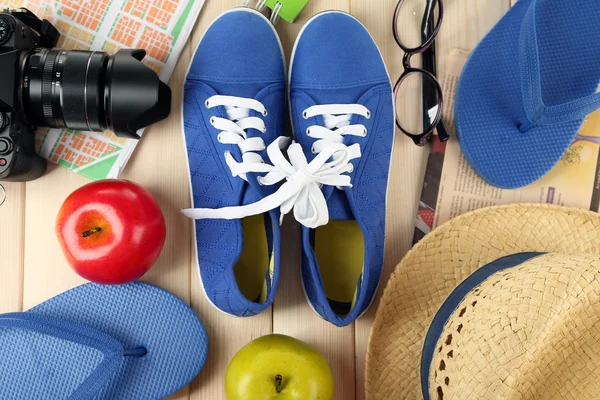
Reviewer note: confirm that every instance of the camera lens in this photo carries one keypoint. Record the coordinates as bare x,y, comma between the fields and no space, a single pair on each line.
93,91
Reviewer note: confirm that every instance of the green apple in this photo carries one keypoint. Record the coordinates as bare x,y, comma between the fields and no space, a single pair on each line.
278,367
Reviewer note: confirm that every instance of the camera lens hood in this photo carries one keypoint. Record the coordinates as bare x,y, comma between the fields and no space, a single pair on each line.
134,96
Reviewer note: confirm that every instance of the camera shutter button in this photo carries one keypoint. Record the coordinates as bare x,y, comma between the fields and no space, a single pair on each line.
6,146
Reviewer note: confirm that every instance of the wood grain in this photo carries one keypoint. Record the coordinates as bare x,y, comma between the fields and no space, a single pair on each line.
32,268
46,272
12,228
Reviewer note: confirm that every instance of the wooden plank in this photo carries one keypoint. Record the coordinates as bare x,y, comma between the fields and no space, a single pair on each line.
158,164
465,23
226,334
408,162
46,272
12,226
292,315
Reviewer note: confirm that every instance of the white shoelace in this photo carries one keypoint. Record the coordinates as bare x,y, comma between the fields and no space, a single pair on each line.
302,189
233,131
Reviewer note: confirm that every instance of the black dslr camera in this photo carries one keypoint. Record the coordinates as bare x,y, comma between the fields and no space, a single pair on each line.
84,90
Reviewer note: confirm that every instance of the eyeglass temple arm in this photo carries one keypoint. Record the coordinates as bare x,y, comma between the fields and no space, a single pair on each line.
428,23
429,64
427,28
429,94
443,134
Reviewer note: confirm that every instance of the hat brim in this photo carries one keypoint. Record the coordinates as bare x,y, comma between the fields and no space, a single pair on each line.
440,262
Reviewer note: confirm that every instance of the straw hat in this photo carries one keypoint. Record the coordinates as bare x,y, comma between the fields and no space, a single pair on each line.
525,326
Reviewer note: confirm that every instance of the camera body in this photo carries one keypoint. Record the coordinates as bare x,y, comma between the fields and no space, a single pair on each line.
85,90
18,159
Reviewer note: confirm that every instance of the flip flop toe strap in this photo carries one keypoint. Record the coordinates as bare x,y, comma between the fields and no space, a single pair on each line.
538,113
112,350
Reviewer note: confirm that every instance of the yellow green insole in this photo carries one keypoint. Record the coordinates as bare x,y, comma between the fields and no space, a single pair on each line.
251,269
340,250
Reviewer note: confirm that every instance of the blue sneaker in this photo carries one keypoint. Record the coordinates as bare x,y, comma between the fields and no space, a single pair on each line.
341,103
335,176
233,108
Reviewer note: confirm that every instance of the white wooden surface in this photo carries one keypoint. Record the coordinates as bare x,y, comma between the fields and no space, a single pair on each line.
32,268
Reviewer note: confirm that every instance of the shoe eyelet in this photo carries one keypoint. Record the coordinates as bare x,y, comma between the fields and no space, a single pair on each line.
351,170
259,180
308,132
368,114
226,154
207,104
305,115
365,132
264,130
212,121
312,150
219,138
265,113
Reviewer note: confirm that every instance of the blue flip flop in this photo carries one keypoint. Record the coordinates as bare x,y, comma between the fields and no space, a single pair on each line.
132,341
527,88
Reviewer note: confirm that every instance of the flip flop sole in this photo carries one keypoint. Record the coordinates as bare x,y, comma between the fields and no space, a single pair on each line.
489,105
135,314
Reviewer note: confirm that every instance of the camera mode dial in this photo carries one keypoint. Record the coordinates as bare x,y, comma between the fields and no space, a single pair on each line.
4,30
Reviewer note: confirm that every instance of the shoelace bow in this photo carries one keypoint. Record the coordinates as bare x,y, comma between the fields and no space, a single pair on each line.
301,190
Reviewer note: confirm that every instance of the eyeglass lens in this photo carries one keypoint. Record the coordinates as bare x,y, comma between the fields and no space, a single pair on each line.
417,93
417,102
412,21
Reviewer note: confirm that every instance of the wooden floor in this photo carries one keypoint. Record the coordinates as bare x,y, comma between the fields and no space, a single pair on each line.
32,268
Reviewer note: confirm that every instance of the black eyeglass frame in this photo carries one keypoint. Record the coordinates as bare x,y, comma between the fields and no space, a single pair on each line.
422,138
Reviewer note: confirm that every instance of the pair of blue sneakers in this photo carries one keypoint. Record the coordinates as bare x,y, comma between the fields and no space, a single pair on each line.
246,175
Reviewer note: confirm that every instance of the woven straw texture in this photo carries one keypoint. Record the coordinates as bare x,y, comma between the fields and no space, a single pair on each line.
528,332
442,260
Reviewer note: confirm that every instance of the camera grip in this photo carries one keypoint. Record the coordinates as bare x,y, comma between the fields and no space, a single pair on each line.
27,167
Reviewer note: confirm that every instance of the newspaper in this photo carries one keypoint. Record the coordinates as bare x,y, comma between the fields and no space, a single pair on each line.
161,27
451,187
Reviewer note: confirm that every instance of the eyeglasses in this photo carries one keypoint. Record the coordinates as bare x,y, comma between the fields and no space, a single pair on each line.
418,120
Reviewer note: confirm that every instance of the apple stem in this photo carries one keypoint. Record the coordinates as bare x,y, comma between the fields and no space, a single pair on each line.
91,232
278,382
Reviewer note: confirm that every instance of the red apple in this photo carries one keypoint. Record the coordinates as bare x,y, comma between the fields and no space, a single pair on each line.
111,231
